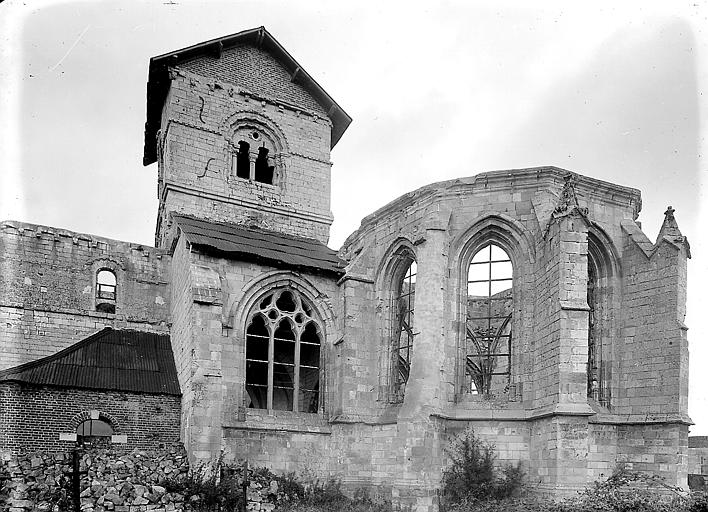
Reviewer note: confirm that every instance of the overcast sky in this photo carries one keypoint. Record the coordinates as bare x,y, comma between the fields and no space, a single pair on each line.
437,90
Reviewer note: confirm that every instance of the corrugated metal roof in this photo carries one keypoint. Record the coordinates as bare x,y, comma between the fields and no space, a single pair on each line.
260,245
116,360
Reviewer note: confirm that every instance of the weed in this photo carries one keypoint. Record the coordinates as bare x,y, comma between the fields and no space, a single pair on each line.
473,476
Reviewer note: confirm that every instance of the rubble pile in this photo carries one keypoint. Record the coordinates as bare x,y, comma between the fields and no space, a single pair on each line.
133,482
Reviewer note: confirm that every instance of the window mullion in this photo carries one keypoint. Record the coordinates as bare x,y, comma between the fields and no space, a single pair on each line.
296,378
271,357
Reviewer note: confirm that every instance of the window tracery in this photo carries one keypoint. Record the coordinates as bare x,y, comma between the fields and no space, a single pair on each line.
283,342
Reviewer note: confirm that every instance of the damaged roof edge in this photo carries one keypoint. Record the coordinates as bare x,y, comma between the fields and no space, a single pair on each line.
271,247
528,175
158,82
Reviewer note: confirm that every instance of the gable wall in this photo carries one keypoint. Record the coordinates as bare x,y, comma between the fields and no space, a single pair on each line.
256,71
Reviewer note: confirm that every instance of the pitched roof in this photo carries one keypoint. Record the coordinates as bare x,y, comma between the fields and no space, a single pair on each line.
133,361
158,81
270,247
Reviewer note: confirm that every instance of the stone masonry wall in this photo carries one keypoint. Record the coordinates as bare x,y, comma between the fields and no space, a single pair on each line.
654,348
200,117
698,455
181,335
48,289
34,417
212,298
568,439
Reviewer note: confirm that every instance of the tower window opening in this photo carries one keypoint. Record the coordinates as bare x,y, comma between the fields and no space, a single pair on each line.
243,161
264,172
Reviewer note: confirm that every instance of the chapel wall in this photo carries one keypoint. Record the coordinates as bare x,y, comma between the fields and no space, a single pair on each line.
48,289
567,442
652,314
209,344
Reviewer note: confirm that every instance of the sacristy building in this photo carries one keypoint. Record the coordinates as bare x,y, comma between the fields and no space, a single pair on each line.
527,304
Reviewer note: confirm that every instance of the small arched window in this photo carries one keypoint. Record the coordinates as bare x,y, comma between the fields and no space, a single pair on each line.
403,302
254,156
106,285
490,304
94,432
243,160
283,341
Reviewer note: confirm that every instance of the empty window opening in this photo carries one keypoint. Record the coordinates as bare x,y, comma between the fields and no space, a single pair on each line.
404,311
593,360
286,302
263,171
94,432
488,327
106,291
283,355
243,160
106,285
599,297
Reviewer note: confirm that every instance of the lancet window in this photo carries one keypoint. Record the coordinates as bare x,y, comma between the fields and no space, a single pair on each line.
488,328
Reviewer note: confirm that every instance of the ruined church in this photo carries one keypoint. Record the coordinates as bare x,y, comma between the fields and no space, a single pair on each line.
526,304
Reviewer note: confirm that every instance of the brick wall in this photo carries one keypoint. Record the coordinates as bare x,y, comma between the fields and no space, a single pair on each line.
33,417
48,289
256,71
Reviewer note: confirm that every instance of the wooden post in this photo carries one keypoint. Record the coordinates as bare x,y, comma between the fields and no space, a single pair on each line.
245,484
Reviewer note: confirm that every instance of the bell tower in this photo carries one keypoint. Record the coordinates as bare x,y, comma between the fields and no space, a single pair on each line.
241,134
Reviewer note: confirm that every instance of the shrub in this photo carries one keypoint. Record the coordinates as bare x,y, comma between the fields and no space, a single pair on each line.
472,475
698,502
209,487
328,496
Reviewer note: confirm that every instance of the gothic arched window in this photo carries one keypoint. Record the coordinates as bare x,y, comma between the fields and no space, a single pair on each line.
601,304
488,326
283,341
403,309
